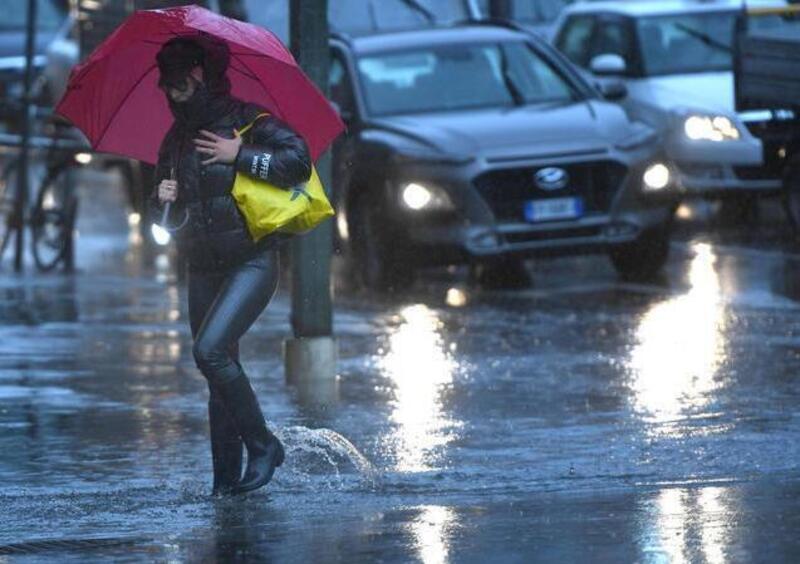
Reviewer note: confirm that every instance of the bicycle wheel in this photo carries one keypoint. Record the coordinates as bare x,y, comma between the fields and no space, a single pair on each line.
8,196
53,217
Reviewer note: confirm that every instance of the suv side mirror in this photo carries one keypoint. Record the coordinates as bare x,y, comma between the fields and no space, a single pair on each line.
612,90
608,65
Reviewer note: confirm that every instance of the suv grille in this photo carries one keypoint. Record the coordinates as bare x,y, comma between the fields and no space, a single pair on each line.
507,190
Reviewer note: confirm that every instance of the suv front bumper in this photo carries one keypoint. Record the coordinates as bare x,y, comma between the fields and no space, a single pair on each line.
442,243
720,181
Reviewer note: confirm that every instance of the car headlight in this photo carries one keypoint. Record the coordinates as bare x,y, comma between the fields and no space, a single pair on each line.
656,177
710,128
419,197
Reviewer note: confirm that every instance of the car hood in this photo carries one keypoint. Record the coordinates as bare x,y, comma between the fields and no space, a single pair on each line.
516,132
705,91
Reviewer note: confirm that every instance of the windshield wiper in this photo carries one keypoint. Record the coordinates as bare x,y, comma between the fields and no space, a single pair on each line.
508,80
704,37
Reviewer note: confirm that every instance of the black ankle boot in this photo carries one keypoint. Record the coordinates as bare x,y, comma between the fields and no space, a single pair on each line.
264,450
226,447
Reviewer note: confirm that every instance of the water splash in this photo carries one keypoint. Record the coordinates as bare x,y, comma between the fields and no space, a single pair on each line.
317,452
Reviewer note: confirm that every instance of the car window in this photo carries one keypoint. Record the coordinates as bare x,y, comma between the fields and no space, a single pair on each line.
539,11
686,43
341,88
358,16
574,39
456,77
446,11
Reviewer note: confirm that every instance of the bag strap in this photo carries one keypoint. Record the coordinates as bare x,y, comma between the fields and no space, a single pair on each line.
247,127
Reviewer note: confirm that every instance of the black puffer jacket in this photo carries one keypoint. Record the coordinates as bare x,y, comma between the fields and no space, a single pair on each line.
215,236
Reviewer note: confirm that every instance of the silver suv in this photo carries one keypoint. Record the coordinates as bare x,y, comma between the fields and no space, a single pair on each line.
675,58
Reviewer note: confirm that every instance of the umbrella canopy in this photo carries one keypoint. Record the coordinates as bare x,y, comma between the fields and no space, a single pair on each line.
113,96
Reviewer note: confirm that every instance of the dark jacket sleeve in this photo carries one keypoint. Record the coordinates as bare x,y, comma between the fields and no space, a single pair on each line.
272,151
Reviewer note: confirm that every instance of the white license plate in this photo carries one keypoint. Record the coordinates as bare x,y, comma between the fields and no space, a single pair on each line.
552,209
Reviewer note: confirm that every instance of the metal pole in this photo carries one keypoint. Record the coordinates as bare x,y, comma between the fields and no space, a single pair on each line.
311,354
22,176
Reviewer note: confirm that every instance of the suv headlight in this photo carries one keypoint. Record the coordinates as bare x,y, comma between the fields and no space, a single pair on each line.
418,197
710,128
656,177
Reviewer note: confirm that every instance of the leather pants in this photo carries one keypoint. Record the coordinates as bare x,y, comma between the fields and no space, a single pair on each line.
222,307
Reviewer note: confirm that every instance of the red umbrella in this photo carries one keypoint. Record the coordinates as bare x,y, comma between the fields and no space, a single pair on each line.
113,96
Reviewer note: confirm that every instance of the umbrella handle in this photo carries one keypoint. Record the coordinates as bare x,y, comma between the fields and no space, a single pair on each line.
168,205
165,216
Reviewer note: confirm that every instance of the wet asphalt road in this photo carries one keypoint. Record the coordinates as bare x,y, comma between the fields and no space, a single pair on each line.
581,420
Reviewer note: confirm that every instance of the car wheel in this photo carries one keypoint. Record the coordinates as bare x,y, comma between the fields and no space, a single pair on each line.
643,258
380,259
791,193
502,274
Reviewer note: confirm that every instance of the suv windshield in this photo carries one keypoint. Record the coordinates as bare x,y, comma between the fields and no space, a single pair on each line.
458,77
15,12
689,43
686,43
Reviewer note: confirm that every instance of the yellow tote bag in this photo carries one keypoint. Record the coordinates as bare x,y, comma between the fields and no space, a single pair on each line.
268,208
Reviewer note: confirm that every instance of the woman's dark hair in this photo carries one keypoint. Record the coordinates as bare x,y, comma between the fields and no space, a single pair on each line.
180,55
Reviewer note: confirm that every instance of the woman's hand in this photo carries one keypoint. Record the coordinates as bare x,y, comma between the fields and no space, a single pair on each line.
220,149
167,191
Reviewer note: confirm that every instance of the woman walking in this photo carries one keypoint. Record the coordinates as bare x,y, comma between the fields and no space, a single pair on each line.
231,279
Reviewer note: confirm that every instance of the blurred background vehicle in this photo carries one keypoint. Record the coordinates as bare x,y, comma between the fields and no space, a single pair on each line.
365,16
54,54
482,144
676,60
536,15
767,73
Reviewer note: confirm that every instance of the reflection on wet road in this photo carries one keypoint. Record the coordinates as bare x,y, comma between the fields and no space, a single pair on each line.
584,419
419,370
680,345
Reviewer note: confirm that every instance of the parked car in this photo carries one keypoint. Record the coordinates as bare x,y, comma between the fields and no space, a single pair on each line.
481,144
675,58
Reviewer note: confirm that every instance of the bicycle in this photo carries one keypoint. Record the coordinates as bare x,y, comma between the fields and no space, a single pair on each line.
53,210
